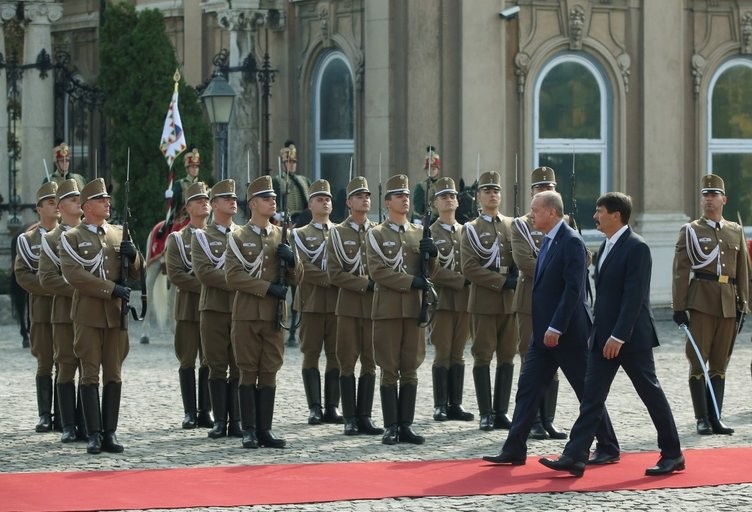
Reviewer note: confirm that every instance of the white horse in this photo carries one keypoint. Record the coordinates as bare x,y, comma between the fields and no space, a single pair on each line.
159,291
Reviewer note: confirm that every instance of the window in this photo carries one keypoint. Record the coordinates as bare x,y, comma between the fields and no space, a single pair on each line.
730,135
571,130
334,130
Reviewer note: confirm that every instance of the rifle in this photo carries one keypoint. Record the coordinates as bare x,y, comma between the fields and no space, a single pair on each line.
741,306
573,220
381,201
428,299
516,187
125,261
281,280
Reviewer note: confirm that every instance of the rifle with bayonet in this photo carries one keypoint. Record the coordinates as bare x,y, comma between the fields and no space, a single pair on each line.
282,278
126,260
428,297
516,188
573,219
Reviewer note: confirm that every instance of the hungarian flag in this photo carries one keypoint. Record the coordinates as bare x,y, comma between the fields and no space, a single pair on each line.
173,137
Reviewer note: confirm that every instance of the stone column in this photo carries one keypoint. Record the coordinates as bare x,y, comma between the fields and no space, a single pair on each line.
662,138
37,98
7,11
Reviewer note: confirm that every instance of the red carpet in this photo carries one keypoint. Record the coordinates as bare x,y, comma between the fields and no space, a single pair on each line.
310,483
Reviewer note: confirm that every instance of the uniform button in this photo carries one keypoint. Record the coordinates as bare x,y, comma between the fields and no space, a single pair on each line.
723,252
107,257
266,257
720,239
723,264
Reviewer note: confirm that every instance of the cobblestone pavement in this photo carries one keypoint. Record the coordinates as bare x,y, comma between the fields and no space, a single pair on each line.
151,414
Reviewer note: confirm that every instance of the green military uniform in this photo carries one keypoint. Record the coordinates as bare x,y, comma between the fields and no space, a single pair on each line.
90,262
188,320
316,300
208,252
293,187
51,279
425,190
347,268
487,263
180,188
26,269
60,151
451,325
711,281
252,268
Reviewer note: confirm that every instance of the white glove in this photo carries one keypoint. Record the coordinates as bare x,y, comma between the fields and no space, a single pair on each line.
168,193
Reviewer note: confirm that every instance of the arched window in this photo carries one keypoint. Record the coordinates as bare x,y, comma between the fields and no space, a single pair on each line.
334,129
730,134
571,129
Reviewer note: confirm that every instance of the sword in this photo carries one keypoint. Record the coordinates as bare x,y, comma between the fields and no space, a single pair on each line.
704,369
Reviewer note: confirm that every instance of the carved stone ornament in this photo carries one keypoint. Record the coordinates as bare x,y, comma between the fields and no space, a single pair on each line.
624,63
8,10
521,68
360,68
324,22
698,70
42,12
576,24
234,19
746,33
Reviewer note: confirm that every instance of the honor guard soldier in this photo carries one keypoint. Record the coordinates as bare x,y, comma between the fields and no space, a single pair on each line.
451,326
710,295
257,256
347,268
90,259
61,172
208,252
316,300
395,248
526,242
424,191
26,269
187,317
51,279
178,194
487,263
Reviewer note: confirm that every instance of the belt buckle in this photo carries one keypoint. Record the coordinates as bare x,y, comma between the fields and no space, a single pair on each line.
723,279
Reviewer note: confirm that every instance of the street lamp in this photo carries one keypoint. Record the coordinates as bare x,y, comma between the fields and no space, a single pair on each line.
218,99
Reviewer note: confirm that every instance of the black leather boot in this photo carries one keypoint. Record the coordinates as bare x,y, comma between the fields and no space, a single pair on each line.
719,388
66,394
548,411
366,386
389,407
57,424
347,390
247,400
203,417
265,411
700,405
482,379
110,414
44,404
456,385
312,386
233,410
81,433
407,396
92,417
502,392
331,398
440,392
218,394
188,392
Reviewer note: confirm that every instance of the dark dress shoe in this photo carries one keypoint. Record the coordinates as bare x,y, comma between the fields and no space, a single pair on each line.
601,458
537,431
189,420
502,421
351,427
110,443
703,427
505,458
408,435
565,463
332,415
720,428
366,426
204,419
440,413
44,424
69,435
269,440
553,432
486,422
666,466
457,412
315,416
94,444
249,438
391,435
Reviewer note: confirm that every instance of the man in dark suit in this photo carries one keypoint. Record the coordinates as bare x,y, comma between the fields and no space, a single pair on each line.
623,336
561,322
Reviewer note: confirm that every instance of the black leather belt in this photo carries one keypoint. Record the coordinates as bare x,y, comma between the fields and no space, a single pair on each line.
714,277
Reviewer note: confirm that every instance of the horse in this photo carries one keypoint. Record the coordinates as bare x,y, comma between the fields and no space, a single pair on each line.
159,292
468,203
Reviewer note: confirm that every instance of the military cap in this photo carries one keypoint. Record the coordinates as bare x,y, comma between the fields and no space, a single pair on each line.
196,190
433,157
95,189
357,184
319,188
490,179
192,158
46,191
261,187
713,183
444,186
60,151
544,176
397,184
67,188
224,188
288,153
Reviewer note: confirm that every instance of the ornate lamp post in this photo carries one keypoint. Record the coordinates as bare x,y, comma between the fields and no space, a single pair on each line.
218,99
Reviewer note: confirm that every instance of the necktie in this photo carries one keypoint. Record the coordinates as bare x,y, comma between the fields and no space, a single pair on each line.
606,250
542,255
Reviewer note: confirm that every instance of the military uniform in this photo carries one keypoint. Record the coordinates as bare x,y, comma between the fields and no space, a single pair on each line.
208,252
188,321
425,190
51,279
487,263
90,262
347,268
180,188
63,151
711,281
252,270
399,345
26,270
